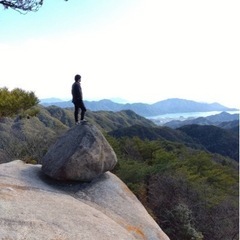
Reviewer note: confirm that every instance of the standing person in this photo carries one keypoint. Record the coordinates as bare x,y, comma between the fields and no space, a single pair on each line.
78,99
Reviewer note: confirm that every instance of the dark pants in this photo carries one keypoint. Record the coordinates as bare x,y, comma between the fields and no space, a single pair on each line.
80,105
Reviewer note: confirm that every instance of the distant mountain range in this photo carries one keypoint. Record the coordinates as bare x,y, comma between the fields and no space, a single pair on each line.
223,120
173,105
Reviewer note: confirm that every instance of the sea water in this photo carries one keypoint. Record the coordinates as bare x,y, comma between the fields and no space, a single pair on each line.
164,118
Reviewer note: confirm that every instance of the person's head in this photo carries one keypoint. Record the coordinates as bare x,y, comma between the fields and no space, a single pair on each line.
77,78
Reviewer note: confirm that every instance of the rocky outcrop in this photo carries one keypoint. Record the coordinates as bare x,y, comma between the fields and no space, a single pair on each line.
34,206
81,154
88,203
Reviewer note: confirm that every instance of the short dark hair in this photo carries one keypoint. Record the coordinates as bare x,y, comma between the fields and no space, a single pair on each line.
77,77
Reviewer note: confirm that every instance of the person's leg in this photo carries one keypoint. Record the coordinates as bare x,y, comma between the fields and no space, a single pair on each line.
76,112
83,110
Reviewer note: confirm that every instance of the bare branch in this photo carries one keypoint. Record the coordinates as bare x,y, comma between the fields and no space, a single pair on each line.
22,6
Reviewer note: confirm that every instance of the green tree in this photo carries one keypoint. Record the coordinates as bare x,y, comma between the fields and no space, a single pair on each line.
181,222
16,101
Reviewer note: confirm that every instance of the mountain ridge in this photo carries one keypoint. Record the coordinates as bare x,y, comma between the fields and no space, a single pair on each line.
52,121
216,120
172,105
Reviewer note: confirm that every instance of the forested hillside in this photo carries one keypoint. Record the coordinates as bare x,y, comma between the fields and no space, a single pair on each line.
190,191
209,138
215,139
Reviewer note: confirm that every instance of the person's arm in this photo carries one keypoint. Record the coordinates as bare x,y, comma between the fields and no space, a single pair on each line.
80,92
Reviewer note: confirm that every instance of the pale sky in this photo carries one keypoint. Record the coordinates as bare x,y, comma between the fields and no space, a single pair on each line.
139,50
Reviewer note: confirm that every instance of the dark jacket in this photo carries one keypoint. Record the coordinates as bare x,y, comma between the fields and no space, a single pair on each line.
76,92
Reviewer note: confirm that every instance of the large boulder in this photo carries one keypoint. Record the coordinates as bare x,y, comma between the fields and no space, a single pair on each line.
34,206
81,154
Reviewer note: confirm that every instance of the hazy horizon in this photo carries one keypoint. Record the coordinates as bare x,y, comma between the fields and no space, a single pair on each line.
123,101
